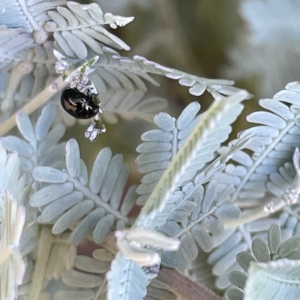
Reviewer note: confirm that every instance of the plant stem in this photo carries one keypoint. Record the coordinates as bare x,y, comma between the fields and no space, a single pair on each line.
184,287
36,102
178,284
43,252
256,213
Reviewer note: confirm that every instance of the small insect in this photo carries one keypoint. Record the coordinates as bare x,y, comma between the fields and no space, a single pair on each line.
80,99
78,104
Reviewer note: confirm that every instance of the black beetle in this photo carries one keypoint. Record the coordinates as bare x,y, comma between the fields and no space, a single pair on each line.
78,104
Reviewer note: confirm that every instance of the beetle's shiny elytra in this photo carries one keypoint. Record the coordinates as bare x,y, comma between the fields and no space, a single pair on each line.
79,105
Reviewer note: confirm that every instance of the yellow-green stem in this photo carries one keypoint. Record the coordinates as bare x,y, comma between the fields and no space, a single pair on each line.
41,262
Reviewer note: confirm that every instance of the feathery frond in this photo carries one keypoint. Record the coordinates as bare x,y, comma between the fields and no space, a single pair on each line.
182,166
161,145
14,45
71,196
27,15
275,250
39,145
192,195
28,77
216,87
86,275
121,283
85,279
276,279
193,208
77,26
272,145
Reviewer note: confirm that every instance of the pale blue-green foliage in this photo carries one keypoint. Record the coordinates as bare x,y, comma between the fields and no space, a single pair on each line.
289,222
190,208
87,276
14,45
119,80
197,85
273,142
121,84
72,195
196,210
160,146
120,89
77,30
67,197
27,75
126,280
275,280
39,145
83,280
13,16
269,171
185,167
199,230
71,276
234,240
263,252
177,217
231,242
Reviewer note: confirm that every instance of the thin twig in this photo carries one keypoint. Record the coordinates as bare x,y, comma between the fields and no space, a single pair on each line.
178,284
42,258
256,213
36,102
183,287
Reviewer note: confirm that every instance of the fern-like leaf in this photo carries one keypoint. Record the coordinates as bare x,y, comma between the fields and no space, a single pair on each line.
68,198
197,85
39,145
234,240
274,280
263,252
196,207
25,14
77,26
126,72
129,105
273,144
201,226
28,77
187,156
14,45
161,145
121,285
